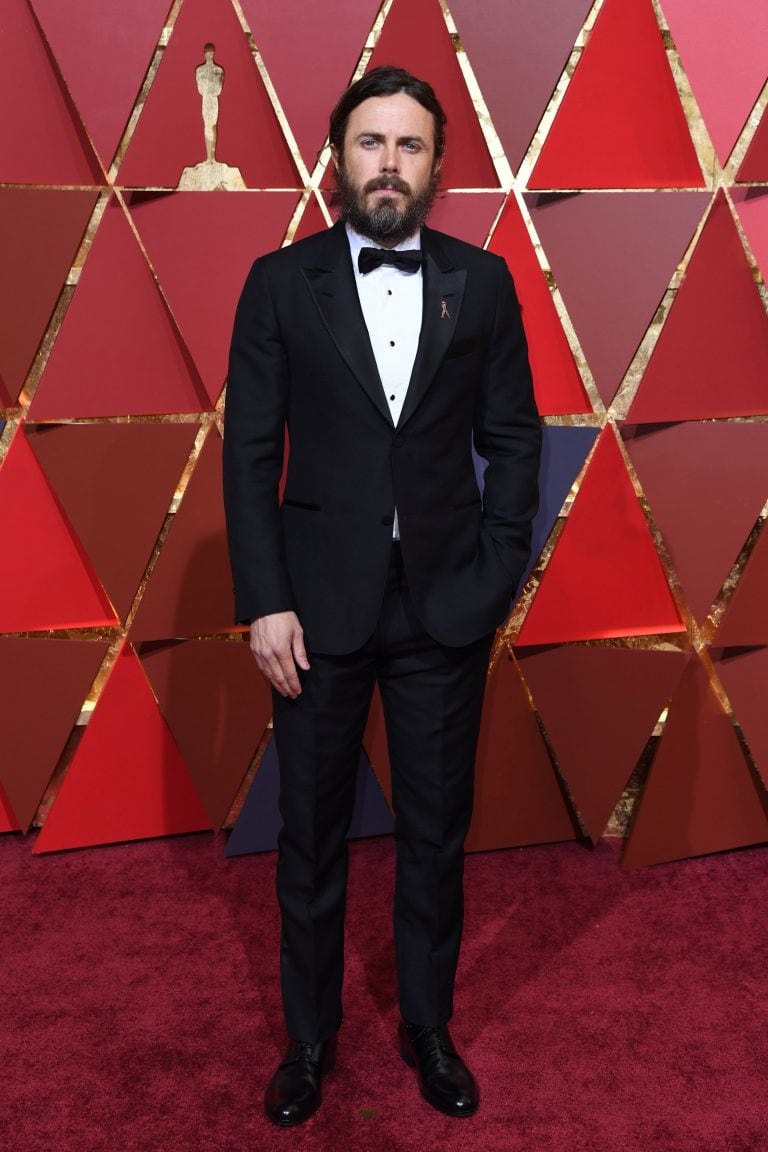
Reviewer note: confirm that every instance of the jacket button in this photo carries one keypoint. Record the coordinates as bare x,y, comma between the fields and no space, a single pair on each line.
388,521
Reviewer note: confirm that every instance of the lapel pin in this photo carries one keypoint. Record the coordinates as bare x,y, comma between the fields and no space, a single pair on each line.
444,313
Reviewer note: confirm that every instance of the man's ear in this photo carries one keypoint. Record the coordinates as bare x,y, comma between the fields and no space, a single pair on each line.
335,156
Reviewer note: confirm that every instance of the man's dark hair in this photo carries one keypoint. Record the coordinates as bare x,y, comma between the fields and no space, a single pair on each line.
386,81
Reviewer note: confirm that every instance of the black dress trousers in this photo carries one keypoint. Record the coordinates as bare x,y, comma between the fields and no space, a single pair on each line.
432,697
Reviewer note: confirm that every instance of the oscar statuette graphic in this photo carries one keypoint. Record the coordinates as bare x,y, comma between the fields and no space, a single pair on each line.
210,175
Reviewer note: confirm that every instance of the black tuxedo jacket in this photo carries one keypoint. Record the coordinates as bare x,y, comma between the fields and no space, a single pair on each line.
301,360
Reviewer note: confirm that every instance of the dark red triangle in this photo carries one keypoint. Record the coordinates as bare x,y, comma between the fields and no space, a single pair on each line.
723,51
468,215
169,132
40,232
115,483
599,707
706,485
556,380
323,40
701,795
47,680
217,705
744,675
103,52
415,37
127,780
711,358
518,797
43,140
598,240
46,580
117,352
202,282
604,577
746,618
190,590
517,57
754,166
312,219
621,124
752,207
8,822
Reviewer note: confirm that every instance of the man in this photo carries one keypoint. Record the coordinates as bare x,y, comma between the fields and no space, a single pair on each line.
382,564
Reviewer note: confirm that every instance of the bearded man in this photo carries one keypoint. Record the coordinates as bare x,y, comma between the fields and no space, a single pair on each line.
384,348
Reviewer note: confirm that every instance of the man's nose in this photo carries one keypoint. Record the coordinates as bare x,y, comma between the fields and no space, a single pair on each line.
389,158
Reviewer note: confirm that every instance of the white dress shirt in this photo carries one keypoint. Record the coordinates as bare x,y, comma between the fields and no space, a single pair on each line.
392,303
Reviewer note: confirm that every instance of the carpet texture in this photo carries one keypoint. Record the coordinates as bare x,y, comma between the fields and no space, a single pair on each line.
598,1009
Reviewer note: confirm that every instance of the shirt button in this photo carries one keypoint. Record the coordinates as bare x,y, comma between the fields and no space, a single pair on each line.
392,396
391,343
389,291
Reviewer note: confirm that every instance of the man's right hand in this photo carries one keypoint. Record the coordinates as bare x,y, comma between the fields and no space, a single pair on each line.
277,643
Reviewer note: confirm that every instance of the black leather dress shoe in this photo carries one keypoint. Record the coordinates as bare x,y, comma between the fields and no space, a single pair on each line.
445,1081
293,1093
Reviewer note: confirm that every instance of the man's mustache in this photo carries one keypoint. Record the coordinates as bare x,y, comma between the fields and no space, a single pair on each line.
381,183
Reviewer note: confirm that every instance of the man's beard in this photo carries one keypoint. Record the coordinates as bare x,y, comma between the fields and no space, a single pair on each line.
386,223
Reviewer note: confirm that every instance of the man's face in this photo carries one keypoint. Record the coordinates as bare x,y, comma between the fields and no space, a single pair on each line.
387,175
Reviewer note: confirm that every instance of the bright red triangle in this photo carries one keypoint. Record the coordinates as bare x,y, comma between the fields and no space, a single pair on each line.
103,52
127,780
40,232
8,822
115,483
169,133
117,352
598,240
323,40
706,484
752,207
416,38
621,124
518,797
43,141
46,580
604,577
746,618
202,283
217,705
190,590
744,676
754,166
47,680
711,358
599,707
722,48
700,796
556,380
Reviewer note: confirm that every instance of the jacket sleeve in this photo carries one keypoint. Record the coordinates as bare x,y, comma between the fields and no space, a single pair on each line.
507,433
254,444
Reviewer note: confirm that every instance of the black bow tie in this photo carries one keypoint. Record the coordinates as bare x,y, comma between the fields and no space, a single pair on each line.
408,261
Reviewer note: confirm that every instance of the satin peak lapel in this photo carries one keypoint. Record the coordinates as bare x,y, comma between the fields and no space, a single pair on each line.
335,294
443,294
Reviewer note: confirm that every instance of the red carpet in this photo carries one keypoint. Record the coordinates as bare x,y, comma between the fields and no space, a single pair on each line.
600,1010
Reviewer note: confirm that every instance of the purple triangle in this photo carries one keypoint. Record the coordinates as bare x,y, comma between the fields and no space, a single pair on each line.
563,451
613,255
259,821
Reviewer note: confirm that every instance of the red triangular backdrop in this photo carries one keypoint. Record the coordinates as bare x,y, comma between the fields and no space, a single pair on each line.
127,780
